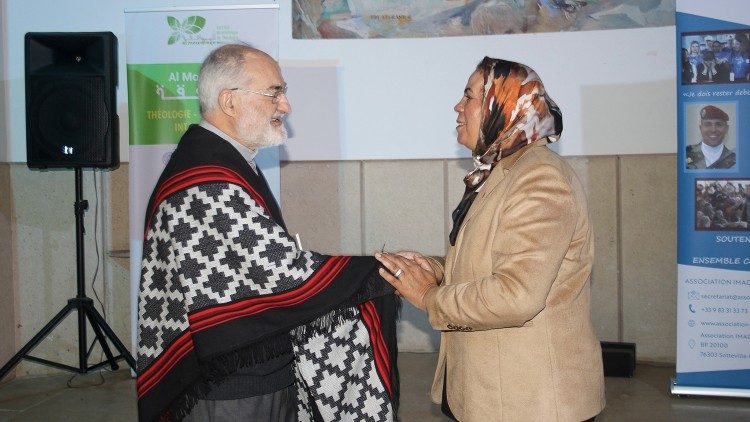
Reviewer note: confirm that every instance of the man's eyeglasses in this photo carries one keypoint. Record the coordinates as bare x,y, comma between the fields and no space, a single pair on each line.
274,95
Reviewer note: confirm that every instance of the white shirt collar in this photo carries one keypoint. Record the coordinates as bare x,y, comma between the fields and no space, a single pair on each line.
710,153
247,153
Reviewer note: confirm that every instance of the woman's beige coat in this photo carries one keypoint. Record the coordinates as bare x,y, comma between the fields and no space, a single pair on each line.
514,304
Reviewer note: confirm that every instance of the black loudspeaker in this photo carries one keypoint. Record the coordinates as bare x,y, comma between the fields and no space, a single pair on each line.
71,102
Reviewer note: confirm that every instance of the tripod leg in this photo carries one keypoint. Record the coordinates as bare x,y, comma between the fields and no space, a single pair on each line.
37,339
82,365
113,337
99,336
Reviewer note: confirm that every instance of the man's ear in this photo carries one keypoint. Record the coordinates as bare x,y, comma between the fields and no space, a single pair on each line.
227,104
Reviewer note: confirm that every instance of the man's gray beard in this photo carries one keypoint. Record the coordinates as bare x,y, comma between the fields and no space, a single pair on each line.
273,137
270,138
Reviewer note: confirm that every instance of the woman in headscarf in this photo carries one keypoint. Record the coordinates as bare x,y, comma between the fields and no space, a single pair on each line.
512,296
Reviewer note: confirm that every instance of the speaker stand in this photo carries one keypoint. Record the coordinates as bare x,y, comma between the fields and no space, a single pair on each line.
86,310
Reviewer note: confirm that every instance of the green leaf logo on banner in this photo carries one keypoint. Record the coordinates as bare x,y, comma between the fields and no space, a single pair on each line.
190,26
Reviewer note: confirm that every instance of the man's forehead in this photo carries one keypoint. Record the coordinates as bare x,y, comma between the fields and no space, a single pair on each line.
263,67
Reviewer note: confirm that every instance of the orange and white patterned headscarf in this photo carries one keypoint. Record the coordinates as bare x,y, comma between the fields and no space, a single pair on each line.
516,111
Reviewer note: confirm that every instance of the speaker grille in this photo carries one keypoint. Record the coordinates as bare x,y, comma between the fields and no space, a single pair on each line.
72,119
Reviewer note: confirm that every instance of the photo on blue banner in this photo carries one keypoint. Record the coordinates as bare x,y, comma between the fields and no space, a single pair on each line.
715,57
722,204
711,136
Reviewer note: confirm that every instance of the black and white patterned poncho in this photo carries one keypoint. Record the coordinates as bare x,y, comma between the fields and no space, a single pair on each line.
224,286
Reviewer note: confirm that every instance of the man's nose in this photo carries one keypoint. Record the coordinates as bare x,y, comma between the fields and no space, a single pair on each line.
284,105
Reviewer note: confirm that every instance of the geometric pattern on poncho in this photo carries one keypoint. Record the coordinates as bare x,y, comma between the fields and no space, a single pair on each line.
207,245
337,371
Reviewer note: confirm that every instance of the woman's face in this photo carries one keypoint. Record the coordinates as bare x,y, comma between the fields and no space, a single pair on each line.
469,110
695,47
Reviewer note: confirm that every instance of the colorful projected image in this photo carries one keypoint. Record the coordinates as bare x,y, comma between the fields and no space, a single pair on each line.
313,19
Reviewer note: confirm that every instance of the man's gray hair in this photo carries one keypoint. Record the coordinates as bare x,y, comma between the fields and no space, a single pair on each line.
222,69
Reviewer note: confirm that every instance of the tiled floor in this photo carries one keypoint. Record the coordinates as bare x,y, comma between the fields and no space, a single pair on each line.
642,398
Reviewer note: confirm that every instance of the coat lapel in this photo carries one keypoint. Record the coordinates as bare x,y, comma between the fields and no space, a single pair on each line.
498,174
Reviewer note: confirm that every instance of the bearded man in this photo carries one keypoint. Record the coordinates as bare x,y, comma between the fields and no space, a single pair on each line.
236,322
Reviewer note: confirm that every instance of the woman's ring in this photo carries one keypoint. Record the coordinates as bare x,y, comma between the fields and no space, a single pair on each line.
398,273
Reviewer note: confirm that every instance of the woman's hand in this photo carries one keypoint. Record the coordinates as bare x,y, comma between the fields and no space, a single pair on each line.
411,278
424,262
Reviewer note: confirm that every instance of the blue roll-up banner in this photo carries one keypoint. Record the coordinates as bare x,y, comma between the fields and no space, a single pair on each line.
713,172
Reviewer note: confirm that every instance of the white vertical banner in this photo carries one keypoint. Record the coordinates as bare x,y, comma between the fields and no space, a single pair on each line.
165,48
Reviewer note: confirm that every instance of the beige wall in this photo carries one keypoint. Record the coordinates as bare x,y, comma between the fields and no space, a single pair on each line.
341,207
356,207
8,295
